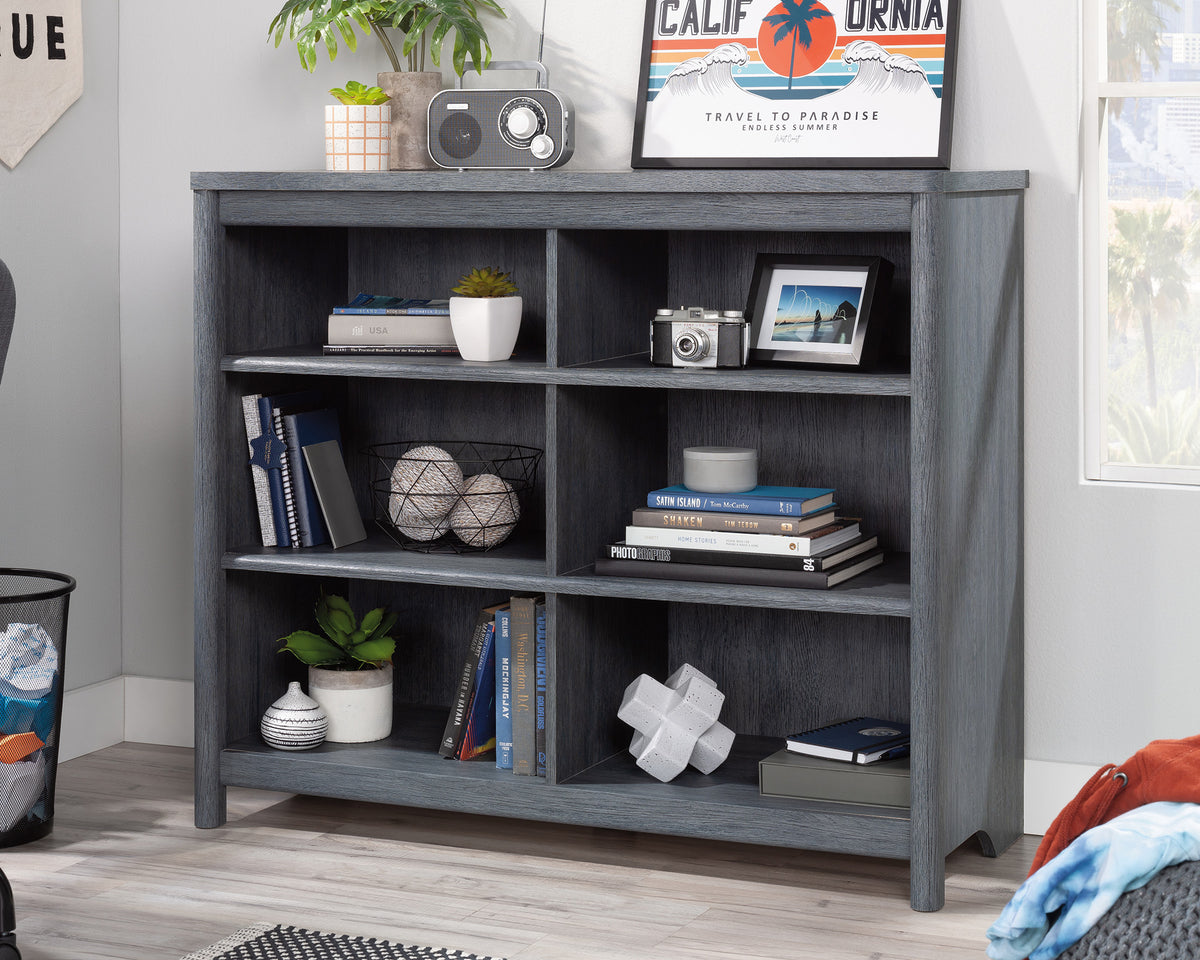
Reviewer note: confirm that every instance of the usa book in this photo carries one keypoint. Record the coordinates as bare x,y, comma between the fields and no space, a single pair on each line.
764,544
750,576
504,720
456,720
858,740
773,501
375,305
735,522
345,329
823,561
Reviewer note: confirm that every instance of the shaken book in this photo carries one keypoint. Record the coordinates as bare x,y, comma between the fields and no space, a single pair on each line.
732,522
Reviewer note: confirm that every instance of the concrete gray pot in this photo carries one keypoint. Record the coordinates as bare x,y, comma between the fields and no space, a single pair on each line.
410,93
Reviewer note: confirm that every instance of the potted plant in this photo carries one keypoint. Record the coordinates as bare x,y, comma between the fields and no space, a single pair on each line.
486,315
356,128
424,25
349,669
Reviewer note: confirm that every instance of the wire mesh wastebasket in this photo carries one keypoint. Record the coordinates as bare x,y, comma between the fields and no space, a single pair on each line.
33,636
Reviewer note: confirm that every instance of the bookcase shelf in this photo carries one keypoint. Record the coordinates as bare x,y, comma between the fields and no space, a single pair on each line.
925,447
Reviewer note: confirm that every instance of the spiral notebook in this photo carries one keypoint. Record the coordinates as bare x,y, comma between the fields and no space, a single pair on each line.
859,740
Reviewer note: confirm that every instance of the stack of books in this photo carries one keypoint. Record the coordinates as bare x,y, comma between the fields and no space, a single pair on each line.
499,706
301,488
768,536
374,324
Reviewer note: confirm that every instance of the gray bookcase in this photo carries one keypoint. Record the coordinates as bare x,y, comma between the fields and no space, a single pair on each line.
926,448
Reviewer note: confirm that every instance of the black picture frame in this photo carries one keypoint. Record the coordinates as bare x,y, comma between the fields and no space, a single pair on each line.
832,318
889,109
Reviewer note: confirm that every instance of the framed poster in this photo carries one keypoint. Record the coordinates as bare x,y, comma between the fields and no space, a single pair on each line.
796,83
816,309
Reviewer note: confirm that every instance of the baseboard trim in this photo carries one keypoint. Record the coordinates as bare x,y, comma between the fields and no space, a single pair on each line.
136,709
1049,786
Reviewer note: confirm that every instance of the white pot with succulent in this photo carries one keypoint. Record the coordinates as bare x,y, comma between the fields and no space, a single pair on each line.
485,317
424,25
356,128
349,669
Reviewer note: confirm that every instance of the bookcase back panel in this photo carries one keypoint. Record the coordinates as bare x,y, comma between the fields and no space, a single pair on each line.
600,646
428,263
858,445
280,285
611,453
608,286
787,670
389,411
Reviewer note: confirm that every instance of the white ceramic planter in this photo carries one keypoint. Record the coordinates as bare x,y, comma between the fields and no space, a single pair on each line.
358,703
356,137
485,328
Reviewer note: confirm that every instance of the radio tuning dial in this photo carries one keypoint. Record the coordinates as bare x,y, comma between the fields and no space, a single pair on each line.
522,123
541,146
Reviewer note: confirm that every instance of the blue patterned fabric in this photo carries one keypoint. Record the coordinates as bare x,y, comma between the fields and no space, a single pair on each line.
1061,902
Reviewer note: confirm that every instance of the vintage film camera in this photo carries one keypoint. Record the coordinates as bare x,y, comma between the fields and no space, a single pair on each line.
696,337
529,128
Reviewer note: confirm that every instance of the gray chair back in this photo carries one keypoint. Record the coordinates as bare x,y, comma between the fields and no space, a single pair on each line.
8,310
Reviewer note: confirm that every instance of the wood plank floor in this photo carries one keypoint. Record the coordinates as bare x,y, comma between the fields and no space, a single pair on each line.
125,875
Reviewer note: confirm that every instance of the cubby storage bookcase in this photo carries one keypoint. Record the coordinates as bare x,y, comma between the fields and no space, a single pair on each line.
926,447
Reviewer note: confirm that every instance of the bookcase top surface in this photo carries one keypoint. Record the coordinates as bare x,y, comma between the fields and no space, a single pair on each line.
682,182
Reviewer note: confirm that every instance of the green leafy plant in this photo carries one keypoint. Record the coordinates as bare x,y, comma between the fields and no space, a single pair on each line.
347,644
359,94
424,24
485,282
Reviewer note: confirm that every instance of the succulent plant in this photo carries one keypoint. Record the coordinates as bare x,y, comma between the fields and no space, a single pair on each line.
485,282
347,644
359,94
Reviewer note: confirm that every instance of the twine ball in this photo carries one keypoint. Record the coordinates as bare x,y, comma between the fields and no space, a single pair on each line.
487,512
425,484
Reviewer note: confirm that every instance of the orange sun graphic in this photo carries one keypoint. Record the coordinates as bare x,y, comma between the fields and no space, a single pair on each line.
778,56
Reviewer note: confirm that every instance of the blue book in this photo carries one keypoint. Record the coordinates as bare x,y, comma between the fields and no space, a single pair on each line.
479,730
774,501
373,305
301,430
504,720
860,740
269,451
539,692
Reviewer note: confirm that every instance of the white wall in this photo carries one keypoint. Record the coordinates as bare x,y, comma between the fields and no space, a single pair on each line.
1111,606
60,427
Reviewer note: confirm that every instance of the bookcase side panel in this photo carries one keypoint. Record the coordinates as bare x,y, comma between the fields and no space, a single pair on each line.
429,263
610,282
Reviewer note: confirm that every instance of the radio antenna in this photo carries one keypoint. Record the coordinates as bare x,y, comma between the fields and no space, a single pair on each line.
542,35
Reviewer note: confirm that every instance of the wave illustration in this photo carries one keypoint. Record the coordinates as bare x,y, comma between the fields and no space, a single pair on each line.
881,73
707,76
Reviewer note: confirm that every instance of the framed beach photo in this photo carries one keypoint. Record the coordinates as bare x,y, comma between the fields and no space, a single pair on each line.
816,309
796,83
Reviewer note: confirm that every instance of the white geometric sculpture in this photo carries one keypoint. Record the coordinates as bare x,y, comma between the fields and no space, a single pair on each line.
676,723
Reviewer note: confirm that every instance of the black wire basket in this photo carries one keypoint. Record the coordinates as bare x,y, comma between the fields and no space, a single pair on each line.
453,496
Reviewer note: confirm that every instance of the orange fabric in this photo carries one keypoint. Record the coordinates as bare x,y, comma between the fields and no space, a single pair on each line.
17,746
1161,770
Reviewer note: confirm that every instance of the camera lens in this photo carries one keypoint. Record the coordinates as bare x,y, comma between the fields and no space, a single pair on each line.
691,345
460,135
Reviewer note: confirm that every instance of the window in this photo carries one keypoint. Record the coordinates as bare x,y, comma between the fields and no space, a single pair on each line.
1141,223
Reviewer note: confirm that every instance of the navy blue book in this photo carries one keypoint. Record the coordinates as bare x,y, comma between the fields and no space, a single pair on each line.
270,452
539,692
772,501
504,717
367,304
299,431
479,729
860,740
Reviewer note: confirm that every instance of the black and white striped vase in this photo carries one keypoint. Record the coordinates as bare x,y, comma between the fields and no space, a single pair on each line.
294,721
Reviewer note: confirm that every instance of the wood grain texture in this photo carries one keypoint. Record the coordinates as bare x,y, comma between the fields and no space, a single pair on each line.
926,449
143,884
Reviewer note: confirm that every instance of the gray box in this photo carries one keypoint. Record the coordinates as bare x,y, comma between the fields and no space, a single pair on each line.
787,774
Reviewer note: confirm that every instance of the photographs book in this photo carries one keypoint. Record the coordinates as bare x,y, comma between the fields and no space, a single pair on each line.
860,740
825,560
374,305
748,576
774,501
833,535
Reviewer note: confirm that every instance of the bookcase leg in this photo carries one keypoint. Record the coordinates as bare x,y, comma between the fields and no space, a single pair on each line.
927,885
210,806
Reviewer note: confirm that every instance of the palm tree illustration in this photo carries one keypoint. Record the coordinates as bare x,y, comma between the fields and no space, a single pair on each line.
795,21
1145,274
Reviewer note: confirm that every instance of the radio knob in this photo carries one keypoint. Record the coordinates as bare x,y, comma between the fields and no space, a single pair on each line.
522,122
541,146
